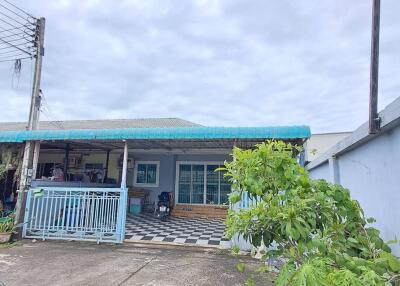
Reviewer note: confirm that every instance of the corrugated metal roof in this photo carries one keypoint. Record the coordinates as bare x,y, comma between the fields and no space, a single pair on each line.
101,124
195,133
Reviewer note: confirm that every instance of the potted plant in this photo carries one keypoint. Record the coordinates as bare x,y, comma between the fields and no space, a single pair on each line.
6,229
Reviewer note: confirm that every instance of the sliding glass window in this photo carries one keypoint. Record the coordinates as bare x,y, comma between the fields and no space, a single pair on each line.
201,184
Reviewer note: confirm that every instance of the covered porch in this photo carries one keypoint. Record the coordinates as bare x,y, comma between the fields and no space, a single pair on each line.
90,175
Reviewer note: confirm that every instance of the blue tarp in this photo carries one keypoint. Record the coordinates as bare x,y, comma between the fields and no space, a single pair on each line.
201,133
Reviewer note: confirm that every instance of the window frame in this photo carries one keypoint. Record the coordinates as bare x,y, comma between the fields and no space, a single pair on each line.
157,183
205,164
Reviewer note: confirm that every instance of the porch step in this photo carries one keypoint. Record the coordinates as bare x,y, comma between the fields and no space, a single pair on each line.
203,211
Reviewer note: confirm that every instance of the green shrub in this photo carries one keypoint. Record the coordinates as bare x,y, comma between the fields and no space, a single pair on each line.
315,225
6,226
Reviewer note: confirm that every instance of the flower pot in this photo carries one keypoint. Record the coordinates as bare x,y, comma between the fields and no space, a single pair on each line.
5,237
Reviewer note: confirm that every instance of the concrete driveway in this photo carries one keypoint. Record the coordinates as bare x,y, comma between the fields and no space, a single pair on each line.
74,263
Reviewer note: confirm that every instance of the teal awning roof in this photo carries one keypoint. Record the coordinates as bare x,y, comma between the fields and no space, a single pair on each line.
177,133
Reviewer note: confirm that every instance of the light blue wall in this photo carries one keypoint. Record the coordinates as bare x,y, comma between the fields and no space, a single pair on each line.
167,168
321,172
372,174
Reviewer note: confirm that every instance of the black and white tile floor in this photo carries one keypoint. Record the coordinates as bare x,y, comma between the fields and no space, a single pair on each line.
199,231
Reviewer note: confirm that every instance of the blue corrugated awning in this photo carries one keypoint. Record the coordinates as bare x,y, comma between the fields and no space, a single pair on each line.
178,133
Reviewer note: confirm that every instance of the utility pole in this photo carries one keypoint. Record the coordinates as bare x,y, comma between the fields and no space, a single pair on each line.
374,120
33,124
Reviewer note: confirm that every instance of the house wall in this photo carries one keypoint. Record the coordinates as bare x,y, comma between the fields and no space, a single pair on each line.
318,144
167,166
369,166
321,172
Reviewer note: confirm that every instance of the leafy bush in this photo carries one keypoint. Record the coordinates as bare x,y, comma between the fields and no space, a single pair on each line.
6,225
316,226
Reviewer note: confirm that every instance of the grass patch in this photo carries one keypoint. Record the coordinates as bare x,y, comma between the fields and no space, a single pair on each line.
10,244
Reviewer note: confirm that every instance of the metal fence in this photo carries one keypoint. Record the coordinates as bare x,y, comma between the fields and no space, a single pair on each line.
244,202
91,214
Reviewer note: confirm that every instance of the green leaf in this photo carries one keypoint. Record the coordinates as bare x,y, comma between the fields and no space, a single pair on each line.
241,267
235,250
249,282
393,261
353,240
234,198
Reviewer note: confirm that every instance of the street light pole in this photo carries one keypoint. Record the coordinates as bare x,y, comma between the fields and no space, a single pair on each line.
374,120
33,123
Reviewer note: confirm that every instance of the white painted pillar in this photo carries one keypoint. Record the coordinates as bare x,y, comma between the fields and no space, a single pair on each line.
36,153
124,166
334,171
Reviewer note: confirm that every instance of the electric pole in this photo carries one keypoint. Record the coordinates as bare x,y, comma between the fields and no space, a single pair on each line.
33,124
374,120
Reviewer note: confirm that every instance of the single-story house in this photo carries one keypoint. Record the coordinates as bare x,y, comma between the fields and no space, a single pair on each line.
80,161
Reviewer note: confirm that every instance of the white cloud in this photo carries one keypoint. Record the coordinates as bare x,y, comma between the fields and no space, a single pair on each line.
232,63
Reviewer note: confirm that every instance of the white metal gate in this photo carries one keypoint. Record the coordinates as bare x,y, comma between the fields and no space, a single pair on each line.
90,214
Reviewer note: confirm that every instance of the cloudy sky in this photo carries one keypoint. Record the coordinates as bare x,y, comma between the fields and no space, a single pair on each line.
218,63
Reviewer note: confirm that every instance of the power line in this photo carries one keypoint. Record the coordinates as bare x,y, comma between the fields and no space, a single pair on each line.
11,60
18,43
18,35
15,56
19,9
50,115
6,50
9,17
7,53
27,45
18,48
18,39
14,26
15,13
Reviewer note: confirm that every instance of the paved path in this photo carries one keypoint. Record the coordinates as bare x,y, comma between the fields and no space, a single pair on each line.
73,263
187,231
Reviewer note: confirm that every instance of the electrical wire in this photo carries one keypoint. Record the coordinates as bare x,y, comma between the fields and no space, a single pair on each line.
10,54
28,46
16,47
19,9
15,41
14,36
11,18
18,36
22,45
18,33
46,107
14,26
10,60
17,28
15,13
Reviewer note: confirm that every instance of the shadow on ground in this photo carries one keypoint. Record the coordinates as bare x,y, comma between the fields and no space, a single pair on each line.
74,263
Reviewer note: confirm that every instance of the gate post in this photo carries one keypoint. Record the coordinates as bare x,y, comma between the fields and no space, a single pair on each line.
26,215
123,197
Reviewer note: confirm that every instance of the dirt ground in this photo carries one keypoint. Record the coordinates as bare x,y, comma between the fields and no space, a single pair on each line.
75,263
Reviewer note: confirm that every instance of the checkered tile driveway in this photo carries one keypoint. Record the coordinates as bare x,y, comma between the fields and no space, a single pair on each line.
198,231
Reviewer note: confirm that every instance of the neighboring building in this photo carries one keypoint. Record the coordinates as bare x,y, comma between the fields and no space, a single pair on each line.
319,143
368,165
84,166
